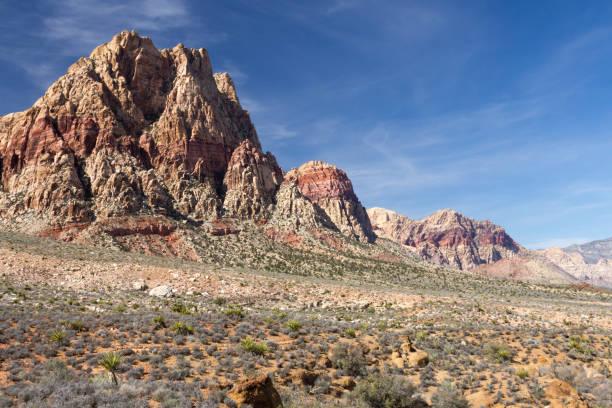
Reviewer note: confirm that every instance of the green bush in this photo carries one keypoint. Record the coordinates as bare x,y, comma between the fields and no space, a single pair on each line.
350,333
499,352
294,325
159,322
182,328
252,346
234,311
348,358
111,361
58,337
447,396
386,391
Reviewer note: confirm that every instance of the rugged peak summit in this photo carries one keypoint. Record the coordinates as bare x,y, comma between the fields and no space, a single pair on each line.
130,129
136,131
446,237
330,189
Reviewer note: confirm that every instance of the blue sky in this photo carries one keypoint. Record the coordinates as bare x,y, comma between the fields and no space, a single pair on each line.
501,110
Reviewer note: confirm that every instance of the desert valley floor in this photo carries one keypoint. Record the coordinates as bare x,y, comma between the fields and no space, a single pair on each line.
428,337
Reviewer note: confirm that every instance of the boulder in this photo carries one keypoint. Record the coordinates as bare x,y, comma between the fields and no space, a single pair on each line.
258,392
161,291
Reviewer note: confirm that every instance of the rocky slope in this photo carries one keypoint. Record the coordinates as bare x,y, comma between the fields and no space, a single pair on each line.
446,237
594,251
133,131
330,190
552,266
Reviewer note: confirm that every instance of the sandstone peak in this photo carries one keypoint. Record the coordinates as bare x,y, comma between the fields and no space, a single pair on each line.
136,131
446,237
330,189
130,129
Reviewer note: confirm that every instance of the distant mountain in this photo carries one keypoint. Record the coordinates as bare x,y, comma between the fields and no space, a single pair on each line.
446,237
593,251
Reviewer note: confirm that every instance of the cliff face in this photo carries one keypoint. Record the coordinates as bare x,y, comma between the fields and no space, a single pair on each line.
446,237
132,129
331,191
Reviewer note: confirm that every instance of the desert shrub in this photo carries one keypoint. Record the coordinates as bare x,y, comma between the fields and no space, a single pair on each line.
77,325
385,391
180,308
499,352
580,348
234,311
294,325
111,361
220,301
182,328
522,373
253,347
350,333
348,358
159,322
58,337
447,396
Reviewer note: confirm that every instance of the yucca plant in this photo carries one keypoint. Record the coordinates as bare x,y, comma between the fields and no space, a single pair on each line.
182,328
159,321
58,337
111,361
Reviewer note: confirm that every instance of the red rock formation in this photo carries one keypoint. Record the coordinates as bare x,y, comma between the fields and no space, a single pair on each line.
251,181
132,130
331,191
446,237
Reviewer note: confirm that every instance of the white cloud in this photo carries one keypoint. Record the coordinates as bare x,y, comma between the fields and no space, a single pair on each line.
83,24
276,131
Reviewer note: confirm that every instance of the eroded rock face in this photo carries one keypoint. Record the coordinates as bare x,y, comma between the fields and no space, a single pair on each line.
446,237
251,181
132,129
331,191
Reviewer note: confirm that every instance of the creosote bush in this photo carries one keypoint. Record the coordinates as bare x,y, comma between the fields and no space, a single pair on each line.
499,352
447,396
182,328
348,358
252,346
386,391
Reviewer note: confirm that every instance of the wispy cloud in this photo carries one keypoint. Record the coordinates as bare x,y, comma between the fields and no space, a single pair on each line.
276,131
83,24
238,75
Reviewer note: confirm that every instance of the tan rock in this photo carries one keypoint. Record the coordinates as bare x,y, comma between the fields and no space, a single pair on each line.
330,190
561,394
259,392
446,237
129,130
418,358
480,399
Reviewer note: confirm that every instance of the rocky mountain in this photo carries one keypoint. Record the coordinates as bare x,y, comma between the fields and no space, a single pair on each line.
446,237
552,266
594,251
331,191
133,131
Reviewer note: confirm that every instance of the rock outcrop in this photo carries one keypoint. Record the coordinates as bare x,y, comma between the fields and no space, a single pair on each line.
446,237
332,194
594,251
251,181
135,130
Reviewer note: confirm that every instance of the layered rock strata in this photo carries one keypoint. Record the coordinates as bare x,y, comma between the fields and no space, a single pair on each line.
132,129
446,237
331,192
